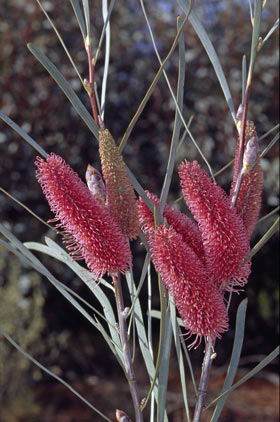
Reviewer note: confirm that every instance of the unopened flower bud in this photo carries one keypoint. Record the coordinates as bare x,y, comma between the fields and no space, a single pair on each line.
250,154
95,184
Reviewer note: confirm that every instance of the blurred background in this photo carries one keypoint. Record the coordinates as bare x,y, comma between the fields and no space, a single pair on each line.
31,310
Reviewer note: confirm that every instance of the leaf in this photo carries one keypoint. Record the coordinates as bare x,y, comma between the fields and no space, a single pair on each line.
26,208
164,353
244,77
180,360
177,123
61,40
86,14
270,32
23,134
43,368
106,16
79,17
142,336
209,48
66,88
255,37
54,250
235,357
151,88
270,232
31,260
266,361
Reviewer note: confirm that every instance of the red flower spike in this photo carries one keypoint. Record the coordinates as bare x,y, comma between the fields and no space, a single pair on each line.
121,198
224,236
176,219
90,230
248,202
196,297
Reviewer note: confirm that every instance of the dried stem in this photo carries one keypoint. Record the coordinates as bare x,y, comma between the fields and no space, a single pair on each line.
203,384
122,315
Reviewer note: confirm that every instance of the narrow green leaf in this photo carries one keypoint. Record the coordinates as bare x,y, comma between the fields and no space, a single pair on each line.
209,48
150,337
105,15
244,77
188,359
269,214
142,335
141,281
31,260
270,145
79,17
54,250
235,357
152,87
266,361
86,14
139,189
270,232
25,207
177,123
180,360
164,353
61,41
255,37
43,368
276,127
270,32
23,134
66,88
103,33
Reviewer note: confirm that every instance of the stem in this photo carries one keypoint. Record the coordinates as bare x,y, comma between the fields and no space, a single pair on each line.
205,372
126,349
91,92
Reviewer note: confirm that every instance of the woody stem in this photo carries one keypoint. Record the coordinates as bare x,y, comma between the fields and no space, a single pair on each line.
126,348
91,93
205,372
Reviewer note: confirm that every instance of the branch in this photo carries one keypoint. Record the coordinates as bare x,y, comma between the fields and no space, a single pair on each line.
205,372
122,315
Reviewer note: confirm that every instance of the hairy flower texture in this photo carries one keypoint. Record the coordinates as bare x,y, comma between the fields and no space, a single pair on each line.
88,226
180,222
248,202
196,297
121,198
224,236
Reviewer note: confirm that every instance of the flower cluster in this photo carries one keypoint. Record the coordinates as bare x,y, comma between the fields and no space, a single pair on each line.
90,230
198,262
119,191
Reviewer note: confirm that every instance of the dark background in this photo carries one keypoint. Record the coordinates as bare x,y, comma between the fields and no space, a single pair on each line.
32,311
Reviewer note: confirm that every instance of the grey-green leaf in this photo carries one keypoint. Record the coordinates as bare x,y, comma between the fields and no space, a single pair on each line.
66,88
235,356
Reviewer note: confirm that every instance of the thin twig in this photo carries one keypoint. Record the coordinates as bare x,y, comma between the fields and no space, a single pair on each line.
122,315
205,372
90,86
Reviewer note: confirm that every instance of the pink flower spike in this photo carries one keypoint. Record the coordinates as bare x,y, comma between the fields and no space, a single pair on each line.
196,297
90,231
179,221
224,236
